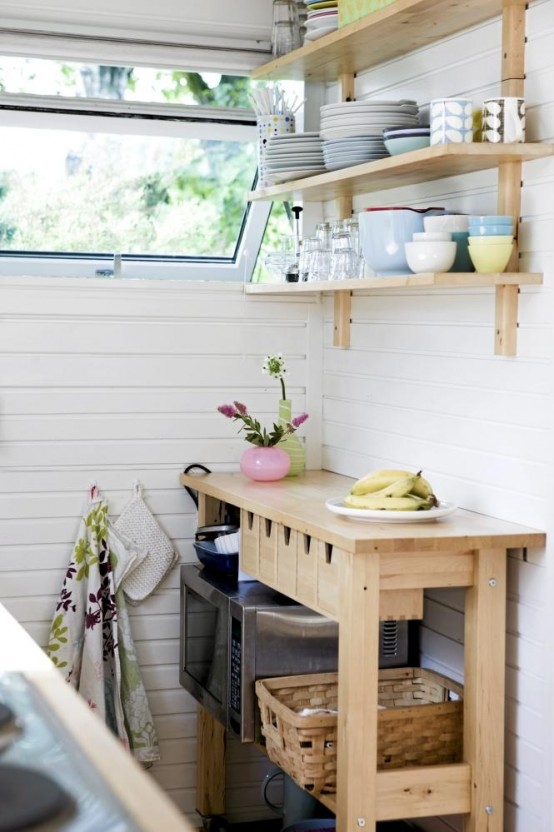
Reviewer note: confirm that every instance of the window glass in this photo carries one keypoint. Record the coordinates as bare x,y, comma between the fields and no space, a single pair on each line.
89,191
38,76
158,173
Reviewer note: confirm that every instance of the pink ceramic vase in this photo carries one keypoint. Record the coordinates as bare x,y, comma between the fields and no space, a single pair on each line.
265,464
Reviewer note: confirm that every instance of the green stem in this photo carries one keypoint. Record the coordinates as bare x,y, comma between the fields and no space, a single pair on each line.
283,387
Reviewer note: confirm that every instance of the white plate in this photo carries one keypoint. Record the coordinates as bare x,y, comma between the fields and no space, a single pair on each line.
349,132
288,154
295,147
288,176
320,22
287,164
291,164
293,154
289,137
394,112
318,33
337,506
359,157
400,102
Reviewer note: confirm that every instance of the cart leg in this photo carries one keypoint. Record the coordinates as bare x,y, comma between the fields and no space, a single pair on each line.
484,649
358,669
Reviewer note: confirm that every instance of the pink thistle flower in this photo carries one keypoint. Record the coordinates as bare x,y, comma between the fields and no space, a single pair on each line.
299,420
241,408
227,410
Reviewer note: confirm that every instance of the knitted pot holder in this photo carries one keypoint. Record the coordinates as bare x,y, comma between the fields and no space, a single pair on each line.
137,522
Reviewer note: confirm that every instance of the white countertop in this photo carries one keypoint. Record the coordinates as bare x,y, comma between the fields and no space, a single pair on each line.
136,791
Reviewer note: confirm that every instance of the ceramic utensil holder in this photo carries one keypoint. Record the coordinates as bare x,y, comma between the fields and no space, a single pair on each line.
268,126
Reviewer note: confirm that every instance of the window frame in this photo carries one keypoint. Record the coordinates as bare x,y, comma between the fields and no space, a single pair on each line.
106,115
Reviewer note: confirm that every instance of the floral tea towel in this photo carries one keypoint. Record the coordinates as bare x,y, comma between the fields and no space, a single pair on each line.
91,643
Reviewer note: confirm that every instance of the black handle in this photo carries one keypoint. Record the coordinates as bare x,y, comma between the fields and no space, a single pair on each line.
190,491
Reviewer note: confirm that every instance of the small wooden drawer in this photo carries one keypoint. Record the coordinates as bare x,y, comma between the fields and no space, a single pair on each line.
286,559
306,569
250,543
328,577
268,533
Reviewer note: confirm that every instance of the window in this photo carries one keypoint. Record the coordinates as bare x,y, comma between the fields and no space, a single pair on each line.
150,165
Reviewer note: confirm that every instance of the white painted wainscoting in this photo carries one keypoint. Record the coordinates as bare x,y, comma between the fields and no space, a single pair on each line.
108,381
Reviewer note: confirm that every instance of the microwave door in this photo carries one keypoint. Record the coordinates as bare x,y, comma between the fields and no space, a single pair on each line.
205,646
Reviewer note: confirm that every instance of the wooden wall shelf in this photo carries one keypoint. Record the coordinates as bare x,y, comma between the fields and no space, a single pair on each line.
405,169
395,30
401,281
506,284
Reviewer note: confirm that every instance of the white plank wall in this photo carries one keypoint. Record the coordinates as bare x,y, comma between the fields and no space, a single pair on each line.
110,381
421,388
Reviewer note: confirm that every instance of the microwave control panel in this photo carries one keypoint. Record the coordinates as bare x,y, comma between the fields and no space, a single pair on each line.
236,666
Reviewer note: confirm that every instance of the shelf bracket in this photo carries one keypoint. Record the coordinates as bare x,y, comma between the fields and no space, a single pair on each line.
506,320
341,329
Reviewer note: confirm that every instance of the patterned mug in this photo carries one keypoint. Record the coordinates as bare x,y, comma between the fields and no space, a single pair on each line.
503,120
451,120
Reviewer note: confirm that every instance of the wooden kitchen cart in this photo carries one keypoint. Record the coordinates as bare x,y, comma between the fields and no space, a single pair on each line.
357,573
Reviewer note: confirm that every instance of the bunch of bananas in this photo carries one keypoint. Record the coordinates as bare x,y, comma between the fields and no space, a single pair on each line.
392,491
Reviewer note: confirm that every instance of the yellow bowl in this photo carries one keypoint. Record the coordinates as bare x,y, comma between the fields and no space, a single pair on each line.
490,259
490,241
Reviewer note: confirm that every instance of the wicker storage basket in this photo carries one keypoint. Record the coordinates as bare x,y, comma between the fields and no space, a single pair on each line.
419,725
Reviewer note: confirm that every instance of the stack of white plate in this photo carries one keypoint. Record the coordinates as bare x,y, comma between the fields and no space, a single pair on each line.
322,18
293,156
355,119
343,153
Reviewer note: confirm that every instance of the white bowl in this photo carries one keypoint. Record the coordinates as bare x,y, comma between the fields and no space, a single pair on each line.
434,236
446,222
430,256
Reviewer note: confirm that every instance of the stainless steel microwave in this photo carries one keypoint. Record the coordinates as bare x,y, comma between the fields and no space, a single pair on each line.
234,633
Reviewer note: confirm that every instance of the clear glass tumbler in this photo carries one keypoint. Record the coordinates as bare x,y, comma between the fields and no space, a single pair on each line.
344,260
286,27
310,246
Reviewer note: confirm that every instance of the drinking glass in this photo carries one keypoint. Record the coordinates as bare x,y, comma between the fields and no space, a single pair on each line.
309,248
320,265
323,232
275,264
344,260
286,27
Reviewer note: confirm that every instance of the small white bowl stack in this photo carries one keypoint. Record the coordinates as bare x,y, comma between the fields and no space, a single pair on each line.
431,251
293,156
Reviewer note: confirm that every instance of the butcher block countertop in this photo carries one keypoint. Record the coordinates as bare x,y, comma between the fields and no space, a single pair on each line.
136,791
299,503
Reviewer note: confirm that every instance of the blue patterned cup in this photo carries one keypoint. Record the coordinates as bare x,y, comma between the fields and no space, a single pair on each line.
451,120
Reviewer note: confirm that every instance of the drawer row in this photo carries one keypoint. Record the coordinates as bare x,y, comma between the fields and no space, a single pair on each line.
296,564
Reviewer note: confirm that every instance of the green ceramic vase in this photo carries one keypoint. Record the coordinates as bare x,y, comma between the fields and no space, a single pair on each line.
291,443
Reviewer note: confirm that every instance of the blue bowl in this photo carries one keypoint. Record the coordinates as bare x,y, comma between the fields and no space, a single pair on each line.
491,219
405,144
462,262
491,230
209,557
